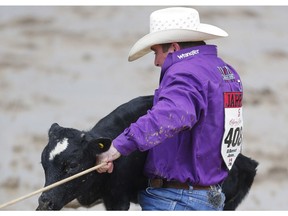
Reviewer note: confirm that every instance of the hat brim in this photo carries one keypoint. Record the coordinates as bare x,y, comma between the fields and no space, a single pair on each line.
204,32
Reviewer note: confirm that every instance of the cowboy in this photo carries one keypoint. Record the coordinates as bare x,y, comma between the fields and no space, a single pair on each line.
188,134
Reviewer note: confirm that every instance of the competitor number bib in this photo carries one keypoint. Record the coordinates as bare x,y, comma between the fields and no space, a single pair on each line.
232,138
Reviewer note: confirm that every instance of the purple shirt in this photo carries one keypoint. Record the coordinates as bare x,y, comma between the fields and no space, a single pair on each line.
184,129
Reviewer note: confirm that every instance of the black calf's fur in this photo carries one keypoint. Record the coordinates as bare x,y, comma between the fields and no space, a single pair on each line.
239,181
120,187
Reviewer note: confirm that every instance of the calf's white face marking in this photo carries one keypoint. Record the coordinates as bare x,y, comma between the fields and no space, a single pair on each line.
60,147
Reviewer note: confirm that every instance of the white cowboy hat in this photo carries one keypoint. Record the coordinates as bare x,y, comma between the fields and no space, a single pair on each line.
176,24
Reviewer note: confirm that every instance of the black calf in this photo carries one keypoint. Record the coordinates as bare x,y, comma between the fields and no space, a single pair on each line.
70,151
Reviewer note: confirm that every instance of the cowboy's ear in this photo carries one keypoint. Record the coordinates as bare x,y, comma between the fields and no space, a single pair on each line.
175,46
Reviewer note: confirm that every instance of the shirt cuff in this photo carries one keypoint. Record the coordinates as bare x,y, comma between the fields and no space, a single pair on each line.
123,144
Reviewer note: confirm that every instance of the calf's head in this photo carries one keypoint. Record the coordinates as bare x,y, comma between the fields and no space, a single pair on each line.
69,151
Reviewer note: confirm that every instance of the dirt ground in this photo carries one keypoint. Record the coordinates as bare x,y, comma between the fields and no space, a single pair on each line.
69,65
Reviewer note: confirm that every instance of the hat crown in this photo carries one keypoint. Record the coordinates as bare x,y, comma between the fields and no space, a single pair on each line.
174,18
174,24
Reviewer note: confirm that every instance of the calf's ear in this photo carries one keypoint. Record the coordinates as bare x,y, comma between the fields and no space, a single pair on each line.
53,127
100,145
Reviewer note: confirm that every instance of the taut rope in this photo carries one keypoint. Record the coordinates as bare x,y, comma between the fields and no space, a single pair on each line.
52,185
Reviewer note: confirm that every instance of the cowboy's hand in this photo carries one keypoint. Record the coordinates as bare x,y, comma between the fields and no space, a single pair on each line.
107,157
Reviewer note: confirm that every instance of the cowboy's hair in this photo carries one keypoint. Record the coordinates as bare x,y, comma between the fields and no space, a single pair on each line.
183,45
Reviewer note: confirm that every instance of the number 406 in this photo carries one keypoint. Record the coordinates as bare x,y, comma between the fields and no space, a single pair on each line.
234,137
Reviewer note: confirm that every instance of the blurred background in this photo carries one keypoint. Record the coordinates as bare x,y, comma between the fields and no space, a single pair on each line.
69,65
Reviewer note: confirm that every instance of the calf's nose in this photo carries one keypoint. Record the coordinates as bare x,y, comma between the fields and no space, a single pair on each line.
44,204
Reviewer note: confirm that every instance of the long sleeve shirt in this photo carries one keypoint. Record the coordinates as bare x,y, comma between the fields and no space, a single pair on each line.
184,129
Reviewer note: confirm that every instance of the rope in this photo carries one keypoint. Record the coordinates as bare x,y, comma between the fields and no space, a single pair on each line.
52,185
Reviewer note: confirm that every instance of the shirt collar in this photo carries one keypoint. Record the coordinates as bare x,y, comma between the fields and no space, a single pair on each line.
185,54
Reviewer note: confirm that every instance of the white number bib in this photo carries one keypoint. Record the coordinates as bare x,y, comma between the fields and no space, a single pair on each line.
232,138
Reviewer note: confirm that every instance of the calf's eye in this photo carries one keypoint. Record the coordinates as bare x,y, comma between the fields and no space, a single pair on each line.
70,167
73,165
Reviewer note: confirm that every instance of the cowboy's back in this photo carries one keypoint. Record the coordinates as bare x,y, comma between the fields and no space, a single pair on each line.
187,119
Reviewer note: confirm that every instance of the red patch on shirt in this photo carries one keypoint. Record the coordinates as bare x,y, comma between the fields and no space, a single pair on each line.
233,99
